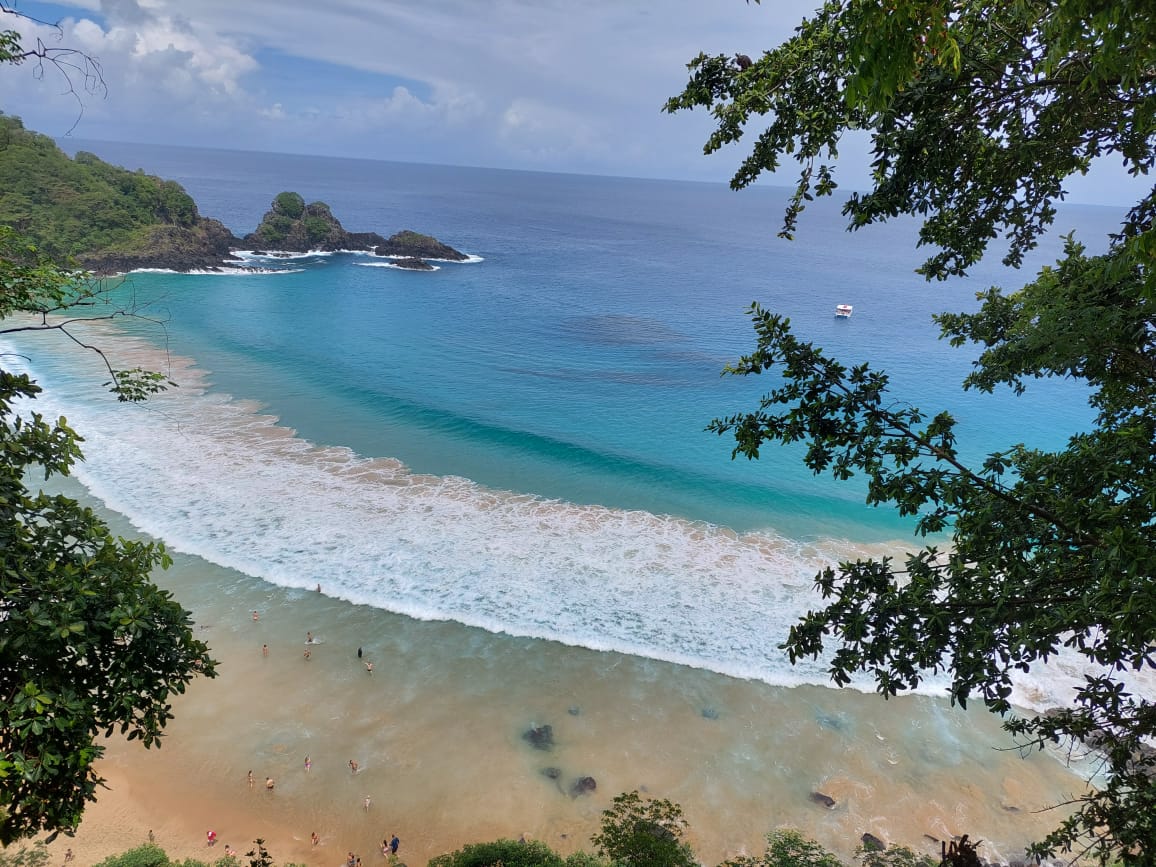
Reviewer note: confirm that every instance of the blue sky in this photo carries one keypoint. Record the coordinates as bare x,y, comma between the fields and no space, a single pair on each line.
553,85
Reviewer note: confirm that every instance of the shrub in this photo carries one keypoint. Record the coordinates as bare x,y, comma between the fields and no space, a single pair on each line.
507,853
289,204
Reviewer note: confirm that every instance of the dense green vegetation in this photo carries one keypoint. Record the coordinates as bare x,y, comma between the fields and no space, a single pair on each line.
70,207
977,113
290,224
88,644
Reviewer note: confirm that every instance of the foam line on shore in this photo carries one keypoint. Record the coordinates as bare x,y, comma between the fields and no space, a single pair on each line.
255,497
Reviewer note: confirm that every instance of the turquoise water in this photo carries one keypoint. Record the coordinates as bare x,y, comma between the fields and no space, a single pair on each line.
517,443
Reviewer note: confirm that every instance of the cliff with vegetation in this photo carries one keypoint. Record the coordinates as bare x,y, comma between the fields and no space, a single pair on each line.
105,218
110,220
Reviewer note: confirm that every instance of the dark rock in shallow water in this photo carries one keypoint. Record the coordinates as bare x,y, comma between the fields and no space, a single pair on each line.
574,710
583,786
709,713
540,737
826,800
827,721
413,264
552,773
871,843
407,243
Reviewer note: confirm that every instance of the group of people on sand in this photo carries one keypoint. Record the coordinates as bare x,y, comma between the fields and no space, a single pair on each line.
269,784
388,848
211,840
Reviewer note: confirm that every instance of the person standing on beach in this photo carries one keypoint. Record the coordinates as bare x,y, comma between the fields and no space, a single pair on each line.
308,763
314,838
353,766
251,779
308,637
359,653
256,616
369,667
367,803
264,649
393,844
269,783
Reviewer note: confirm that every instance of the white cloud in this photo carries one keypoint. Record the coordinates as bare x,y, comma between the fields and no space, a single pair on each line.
549,84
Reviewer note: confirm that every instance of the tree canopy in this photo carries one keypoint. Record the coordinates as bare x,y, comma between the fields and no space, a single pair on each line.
89,645
82,205
977,114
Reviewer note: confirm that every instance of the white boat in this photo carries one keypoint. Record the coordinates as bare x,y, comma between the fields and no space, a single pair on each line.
843,310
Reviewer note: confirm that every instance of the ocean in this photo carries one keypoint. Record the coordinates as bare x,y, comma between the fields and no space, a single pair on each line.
513,449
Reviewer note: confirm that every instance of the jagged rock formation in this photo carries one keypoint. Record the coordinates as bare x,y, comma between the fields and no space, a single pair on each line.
291,225
205,246
414,264
417,246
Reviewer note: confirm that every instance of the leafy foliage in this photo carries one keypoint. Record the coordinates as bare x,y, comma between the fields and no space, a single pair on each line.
644,833
894,856
88,644
509,853
788,848
73,206
289,204
1048,550
37,856
147,855
977,112
151,855
290,224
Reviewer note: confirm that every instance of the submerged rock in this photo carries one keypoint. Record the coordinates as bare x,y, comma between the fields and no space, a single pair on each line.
583,786
829,721
826,800
540,737
574,710
871,843
411,264
551,773
709,713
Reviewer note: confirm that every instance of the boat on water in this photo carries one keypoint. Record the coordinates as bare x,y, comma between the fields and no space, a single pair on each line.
843,310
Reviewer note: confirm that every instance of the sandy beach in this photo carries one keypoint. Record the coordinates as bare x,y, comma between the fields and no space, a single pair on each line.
437,732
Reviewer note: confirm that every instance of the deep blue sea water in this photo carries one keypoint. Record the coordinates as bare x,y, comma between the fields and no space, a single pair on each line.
518,442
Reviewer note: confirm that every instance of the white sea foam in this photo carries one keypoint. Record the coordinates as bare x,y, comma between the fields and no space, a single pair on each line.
223,271
279,254
214,477
470,259
392,265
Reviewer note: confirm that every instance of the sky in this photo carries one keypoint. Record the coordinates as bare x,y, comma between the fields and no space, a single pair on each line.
549,85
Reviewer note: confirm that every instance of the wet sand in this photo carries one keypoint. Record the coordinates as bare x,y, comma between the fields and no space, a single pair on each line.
437,732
